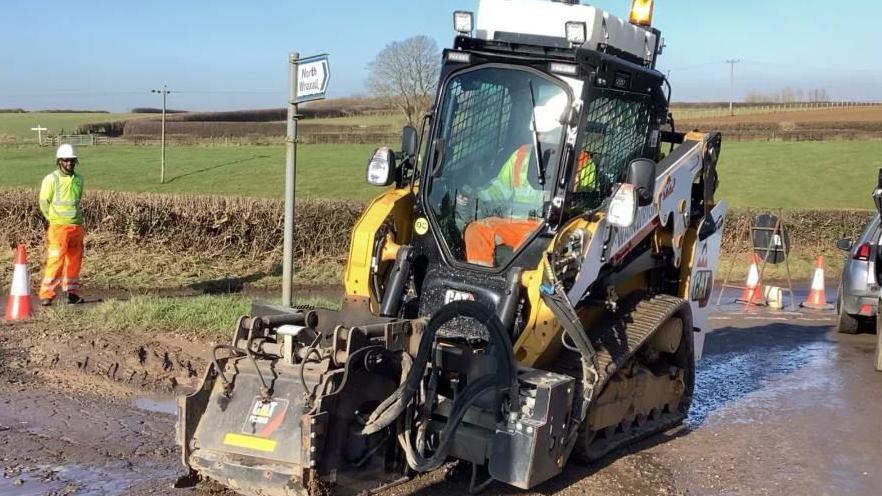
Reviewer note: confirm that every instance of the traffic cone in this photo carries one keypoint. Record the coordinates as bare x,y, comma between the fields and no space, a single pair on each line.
817,297
18,306
753,292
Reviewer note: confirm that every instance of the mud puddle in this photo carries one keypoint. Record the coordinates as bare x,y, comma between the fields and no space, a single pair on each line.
157,404
55,443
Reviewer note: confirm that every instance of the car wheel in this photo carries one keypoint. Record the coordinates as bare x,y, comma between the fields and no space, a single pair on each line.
847,323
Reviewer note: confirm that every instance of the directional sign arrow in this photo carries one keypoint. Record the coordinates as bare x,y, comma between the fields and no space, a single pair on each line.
312,79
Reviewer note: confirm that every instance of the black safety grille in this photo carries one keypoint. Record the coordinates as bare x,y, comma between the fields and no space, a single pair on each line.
617,129
480,122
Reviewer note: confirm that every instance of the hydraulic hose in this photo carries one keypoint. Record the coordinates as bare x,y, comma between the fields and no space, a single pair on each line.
506,377
397,403
469,396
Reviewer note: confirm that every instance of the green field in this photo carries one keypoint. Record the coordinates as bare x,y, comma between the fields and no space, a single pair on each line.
820,175
323,170
19,126
800,175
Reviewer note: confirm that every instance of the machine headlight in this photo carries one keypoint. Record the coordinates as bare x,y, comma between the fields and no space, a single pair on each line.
380,167
577,32
566,69
461,57
463,22
623,206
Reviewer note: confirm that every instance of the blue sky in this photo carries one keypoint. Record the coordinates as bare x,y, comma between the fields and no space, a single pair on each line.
228,54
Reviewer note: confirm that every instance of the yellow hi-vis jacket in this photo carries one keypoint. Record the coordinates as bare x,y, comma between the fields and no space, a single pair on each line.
512,184
60,198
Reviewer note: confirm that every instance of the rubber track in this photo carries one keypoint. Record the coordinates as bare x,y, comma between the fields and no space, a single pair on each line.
628,332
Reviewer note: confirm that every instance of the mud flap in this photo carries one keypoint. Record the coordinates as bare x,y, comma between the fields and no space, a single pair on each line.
705,259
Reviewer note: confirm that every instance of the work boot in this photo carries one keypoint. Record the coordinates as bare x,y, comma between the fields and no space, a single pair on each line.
75,299
45,302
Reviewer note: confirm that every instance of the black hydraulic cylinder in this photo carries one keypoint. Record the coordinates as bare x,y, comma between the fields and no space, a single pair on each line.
395,283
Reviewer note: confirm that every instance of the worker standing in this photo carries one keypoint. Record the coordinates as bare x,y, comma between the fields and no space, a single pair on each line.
60,195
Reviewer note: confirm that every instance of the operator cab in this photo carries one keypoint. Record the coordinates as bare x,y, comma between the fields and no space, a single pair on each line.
541,107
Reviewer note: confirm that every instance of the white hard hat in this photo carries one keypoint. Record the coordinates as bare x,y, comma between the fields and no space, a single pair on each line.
550,114
66,151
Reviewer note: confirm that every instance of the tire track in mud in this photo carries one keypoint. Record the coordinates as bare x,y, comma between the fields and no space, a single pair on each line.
67,421
78,359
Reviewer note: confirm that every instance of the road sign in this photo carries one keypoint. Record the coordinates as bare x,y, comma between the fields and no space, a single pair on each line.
313,74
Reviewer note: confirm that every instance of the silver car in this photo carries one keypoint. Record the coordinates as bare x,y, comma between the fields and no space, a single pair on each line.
858,299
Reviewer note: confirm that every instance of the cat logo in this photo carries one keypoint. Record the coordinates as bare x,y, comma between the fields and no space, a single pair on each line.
702,257
668,190
702,287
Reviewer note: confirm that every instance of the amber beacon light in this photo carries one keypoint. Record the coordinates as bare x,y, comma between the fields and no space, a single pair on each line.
641,12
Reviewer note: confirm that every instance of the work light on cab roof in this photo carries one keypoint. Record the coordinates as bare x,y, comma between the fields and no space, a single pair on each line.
463,22
563,22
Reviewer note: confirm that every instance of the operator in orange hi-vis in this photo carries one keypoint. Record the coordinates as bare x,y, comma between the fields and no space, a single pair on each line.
60,195
512,185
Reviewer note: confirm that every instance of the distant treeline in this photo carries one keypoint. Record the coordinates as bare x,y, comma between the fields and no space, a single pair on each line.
260,115
151,110
755,101
113,129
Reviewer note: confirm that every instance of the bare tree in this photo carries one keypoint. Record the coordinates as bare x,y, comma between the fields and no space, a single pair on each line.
405,74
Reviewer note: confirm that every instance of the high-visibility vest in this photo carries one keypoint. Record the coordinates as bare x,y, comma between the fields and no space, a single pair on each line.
512,186
586,173
60,196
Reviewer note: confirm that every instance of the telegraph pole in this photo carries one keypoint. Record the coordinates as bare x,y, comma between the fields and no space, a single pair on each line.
164,92
732,63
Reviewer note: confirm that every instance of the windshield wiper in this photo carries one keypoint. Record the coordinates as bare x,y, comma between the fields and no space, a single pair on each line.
540,167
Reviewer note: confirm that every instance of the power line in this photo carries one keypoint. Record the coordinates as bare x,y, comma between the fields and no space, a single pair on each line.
90,93
694,66
141,92
231,92
811,68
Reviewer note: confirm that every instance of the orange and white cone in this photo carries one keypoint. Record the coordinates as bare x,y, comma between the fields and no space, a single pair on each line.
753,292
18,306
817,297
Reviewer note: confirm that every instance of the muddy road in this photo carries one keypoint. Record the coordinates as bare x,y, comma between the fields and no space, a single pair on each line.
783,405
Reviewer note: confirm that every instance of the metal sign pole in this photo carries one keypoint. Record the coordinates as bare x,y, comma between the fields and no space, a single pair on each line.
290,170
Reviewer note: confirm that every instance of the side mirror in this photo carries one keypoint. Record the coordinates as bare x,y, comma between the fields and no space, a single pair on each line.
381,168
641,173
845,244
409,141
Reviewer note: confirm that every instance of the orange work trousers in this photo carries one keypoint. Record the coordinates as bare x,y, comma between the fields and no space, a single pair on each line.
63,260
483,236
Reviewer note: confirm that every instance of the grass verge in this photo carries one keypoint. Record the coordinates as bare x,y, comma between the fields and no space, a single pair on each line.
206,316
